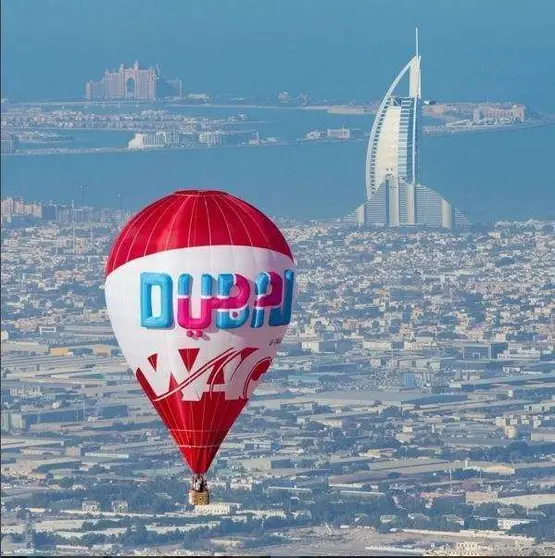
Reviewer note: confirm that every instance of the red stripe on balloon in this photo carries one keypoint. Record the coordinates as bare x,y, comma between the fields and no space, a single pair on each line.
194,218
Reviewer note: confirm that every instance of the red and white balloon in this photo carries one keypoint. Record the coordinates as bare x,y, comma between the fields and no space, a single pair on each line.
199,289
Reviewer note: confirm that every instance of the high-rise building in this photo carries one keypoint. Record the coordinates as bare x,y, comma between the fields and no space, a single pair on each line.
394,195
29,536
17,207
10,143
133,83
155,139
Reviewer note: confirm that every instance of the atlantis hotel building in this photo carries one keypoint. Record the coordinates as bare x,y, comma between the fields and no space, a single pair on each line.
394,195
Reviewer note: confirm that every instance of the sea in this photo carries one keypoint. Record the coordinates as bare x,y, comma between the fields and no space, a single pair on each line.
335,52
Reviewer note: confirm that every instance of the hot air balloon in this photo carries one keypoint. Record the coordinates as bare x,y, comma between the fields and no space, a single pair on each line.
199,290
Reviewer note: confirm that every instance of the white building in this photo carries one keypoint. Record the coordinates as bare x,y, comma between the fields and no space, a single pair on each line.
216,509
394,196
339,133
210,138
147,141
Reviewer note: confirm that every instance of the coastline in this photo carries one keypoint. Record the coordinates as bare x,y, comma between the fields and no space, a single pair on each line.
429,131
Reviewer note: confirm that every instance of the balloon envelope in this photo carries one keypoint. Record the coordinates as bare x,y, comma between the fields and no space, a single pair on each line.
199,289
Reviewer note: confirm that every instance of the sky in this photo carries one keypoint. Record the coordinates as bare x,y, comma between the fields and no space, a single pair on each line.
332,49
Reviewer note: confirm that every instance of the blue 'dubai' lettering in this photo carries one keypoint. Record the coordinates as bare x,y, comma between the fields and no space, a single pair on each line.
231,302
165,283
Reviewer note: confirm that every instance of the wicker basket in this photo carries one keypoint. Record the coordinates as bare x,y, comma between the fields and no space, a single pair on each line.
199,497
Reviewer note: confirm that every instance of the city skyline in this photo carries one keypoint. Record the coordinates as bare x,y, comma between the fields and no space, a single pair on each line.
412,400
403,357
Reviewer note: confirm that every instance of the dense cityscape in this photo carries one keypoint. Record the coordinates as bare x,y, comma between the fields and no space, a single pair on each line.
411,406
277,280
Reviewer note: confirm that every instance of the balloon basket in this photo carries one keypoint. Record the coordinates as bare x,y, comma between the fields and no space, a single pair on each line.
199,497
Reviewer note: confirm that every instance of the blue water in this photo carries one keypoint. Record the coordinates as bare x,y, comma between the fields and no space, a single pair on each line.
332,50
498,175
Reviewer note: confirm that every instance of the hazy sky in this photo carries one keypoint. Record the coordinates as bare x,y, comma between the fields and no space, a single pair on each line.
342,49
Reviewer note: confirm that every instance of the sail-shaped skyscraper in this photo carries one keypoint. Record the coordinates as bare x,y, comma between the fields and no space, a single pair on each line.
394,195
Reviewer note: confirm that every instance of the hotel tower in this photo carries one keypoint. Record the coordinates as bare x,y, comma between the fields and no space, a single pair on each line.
394,195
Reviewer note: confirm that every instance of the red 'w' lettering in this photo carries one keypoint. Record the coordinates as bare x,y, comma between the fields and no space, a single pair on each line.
213,369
